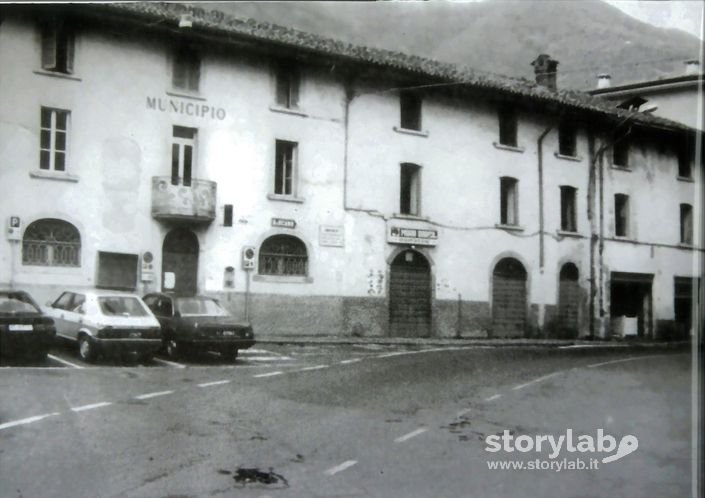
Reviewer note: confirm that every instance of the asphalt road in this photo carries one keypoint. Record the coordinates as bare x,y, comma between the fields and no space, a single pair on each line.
346,422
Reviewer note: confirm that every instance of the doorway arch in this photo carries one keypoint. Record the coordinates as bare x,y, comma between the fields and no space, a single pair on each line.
410,295
509,298
180,261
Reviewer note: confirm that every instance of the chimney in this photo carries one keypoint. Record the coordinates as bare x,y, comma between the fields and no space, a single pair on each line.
546,70
604,80
692,67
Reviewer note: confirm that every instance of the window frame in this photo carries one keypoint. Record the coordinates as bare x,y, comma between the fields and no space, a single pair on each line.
410,189
57,46
51,152
264,268
508,126
622,209
46,249
179,146
287,85
285,168
188,61
686,224
621,152
509,201
410,111
569,218
567,140
685,164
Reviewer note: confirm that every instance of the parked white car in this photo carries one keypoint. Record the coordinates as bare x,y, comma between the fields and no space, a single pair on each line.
106,322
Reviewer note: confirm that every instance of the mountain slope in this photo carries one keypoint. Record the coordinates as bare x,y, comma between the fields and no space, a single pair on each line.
587,37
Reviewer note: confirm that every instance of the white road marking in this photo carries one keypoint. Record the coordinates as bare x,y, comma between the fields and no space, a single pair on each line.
64,362
493,397
348,362
535,381
27,420
396,353
268,358
464,412
169,363
408,436
214,383
317,367
632,358
257,351
153,395
341,467
91,407
268,374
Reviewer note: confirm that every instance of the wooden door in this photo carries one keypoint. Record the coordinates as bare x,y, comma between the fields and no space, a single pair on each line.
410,295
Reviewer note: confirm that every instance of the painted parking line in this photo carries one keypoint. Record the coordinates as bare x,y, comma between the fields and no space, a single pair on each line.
169,363
631,358
410,435
493,397
535,381
91,406
339,468
64,362
268,374
267,358
214,383
348,362
153,395
317,367
27,420
464,412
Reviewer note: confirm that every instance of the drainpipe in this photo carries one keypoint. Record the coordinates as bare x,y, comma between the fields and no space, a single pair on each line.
593,231
539,148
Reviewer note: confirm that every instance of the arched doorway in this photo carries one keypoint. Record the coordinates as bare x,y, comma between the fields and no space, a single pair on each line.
180,262
568,301
410,295
509,299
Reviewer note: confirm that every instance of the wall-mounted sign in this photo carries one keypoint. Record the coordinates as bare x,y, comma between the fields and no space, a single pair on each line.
14,227
332,236
414,236
196,109
283,223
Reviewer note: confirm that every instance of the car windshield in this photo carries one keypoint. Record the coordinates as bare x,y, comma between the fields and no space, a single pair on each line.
121,306
199,306
12,303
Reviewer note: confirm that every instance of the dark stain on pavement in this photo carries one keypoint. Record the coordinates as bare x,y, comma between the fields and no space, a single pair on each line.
254,475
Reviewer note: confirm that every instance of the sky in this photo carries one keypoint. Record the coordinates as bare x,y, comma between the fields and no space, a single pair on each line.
686,15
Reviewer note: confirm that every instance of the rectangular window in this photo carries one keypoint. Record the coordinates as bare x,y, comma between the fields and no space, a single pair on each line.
508,127
685,169
284,167
621,215
183,155
117,271
568,217
567,144
287,86
686,224
620,152
410,110
508,201
186,70
53,139
410,189
228,215
57,47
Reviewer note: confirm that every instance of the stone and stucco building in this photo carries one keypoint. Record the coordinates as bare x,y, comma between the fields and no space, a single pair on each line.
322,188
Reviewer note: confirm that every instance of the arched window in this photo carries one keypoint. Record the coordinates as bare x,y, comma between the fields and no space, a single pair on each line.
283,255
51,242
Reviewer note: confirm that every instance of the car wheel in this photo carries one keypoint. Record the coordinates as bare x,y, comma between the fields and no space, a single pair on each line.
229,354
86,348
173,350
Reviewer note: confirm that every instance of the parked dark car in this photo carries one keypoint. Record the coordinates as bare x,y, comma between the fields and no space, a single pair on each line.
192,323
24,330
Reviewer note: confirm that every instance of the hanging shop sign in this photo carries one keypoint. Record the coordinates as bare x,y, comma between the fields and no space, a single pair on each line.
413,236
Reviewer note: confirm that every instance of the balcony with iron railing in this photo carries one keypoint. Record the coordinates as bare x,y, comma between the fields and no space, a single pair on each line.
179,199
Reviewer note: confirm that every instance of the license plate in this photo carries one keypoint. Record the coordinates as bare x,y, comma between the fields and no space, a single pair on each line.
134,335
228,332
18,327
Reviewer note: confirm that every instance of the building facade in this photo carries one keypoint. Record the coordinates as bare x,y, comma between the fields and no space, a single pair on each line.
321,188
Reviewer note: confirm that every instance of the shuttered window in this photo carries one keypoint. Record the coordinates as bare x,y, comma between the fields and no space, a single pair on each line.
117,271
